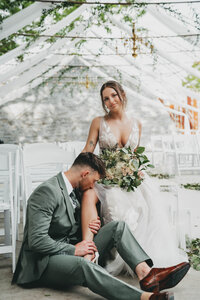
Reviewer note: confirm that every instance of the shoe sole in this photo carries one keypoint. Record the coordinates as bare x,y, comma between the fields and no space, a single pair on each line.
169,282
174,279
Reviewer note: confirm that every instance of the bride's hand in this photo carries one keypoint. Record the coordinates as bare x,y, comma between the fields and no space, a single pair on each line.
90,257
95,225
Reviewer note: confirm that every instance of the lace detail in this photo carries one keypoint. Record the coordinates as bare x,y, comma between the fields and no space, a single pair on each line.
108,140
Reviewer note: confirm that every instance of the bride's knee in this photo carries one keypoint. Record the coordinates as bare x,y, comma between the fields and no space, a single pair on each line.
89,196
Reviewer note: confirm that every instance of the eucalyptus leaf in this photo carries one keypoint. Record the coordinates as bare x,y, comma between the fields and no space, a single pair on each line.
135,164
140,150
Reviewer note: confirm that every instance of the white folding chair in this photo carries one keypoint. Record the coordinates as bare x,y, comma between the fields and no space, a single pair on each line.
170,161
7,166
17,177
187,153
158,157
178,216
42,161
73,146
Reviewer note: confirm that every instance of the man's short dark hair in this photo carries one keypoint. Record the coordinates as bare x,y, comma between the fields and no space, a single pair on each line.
91,160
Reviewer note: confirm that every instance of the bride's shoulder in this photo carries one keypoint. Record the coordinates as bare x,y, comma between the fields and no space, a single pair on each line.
96,121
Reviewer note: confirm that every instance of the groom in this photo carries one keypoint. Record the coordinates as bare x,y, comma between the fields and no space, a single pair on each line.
52,252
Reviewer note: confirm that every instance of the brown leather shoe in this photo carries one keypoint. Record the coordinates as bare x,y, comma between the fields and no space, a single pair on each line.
162,296
160,279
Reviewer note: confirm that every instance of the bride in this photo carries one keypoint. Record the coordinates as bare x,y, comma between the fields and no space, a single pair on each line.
141,209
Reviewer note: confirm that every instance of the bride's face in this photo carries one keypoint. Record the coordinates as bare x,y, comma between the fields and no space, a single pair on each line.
111,99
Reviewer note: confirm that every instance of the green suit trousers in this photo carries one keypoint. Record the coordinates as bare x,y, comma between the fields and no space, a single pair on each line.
67,270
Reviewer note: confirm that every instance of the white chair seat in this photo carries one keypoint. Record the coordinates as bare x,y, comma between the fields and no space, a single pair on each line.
4,206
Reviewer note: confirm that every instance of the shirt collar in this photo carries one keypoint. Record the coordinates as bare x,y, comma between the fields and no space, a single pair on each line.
67,183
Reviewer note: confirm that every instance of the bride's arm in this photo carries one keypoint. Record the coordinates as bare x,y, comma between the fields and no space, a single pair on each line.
89,199
88,213
92,136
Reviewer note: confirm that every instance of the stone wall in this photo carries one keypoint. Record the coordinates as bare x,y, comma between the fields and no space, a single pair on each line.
66,114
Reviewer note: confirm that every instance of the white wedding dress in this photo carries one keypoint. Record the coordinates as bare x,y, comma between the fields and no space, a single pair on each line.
141,209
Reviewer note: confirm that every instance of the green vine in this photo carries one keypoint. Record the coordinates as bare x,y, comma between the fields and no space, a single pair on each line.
193,252
10,7
8,44
36,28
191,186
192,82
160,176
174,12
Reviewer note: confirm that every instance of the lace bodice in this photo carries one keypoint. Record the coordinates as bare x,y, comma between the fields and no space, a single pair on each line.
107,139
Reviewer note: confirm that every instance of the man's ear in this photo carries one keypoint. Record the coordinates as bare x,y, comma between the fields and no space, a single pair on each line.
84,173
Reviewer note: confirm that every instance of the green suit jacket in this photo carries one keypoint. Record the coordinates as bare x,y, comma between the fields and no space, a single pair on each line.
50,229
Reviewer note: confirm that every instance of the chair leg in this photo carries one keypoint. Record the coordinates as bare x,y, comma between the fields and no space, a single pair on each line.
13,242
7,227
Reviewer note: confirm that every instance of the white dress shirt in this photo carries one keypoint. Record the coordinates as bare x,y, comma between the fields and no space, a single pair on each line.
68,186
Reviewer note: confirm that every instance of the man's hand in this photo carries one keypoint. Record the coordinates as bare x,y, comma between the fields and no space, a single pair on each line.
90,257
83,248
95,225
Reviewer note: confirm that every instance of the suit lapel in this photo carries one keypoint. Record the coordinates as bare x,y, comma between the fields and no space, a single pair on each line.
66,197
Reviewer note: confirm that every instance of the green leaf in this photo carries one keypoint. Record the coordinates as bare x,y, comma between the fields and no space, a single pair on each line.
151,166
140,150
198,268
135,164
129,189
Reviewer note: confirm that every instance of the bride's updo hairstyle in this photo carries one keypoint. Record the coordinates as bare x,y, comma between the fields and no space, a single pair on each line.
119,90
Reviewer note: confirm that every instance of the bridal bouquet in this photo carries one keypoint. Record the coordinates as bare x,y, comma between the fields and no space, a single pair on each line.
123,167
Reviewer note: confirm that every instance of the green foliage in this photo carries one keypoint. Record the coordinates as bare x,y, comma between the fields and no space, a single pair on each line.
80,43
128,18
123,167
192,82
10,7
191,186
20,58
160,176
58,12
34,29
7,44
193,252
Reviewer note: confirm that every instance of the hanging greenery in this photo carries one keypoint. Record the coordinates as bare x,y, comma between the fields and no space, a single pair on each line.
98,16
33,30
193,252
192,82
10,7
191,186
